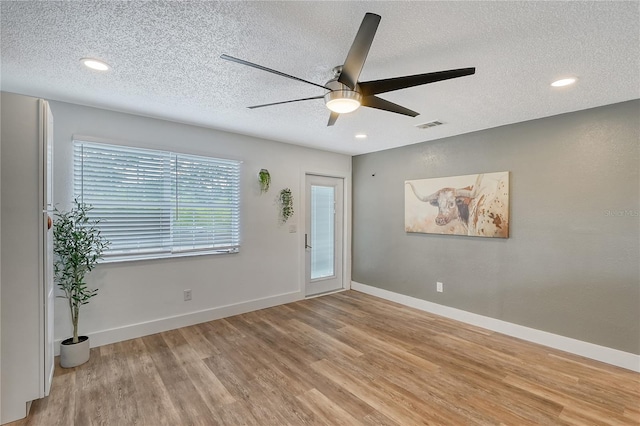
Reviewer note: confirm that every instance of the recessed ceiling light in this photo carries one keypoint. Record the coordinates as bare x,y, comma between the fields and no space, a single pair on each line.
95,64
563,82
361,136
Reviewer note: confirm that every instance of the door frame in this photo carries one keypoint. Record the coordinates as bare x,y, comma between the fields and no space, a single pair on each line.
346,220
46,290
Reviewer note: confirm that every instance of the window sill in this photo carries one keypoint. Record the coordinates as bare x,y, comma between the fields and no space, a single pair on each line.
158,256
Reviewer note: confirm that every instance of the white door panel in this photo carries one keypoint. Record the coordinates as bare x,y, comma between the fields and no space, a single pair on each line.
323,234
47,291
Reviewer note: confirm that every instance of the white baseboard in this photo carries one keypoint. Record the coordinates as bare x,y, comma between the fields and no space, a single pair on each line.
114,335
589,350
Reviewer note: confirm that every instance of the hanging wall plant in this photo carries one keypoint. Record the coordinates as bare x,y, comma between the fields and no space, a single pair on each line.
265,180
286,204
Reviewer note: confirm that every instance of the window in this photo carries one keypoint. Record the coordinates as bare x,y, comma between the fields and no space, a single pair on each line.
157,203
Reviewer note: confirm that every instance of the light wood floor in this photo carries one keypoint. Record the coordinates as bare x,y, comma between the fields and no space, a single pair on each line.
342,359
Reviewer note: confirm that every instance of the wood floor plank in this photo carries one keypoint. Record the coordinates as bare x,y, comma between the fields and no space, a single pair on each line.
211,390
378,419
383,399
604,411
422,384
153,399
237,413
187,403
315,315
341,359
89,390
323,342
632,413
59,408
195,336
325,410
292,359
290,409
375,344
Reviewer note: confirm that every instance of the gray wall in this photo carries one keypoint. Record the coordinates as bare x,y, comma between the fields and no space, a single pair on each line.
570,266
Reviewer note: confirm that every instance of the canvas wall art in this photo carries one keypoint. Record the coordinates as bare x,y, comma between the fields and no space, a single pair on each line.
473,205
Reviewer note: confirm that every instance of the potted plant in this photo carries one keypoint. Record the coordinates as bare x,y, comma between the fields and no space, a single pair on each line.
286,204
265,180
77,246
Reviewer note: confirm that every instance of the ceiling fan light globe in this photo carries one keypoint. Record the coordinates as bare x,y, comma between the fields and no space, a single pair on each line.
343,106
343,101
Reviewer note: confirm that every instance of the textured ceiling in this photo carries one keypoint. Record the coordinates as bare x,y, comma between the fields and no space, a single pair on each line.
166,62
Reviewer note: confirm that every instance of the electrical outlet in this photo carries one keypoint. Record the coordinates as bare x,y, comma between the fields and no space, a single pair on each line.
187,295
439,287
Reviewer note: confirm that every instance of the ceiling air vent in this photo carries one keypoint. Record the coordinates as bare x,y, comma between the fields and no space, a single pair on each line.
429,124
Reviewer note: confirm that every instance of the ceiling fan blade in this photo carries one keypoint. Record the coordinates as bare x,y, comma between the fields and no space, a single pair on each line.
387,85
332,118
285,102
379,103
260,67
359,50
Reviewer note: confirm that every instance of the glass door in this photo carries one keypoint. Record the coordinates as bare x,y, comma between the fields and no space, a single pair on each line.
323,234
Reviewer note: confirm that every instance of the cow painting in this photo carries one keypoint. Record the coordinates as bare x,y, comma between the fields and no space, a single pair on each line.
473,205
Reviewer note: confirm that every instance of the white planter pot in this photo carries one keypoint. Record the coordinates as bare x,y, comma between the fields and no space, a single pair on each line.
74,354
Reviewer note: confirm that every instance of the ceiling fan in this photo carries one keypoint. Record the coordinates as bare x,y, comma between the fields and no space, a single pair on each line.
345,93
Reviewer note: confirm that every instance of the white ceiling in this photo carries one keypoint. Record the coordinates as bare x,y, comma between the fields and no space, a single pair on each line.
166,62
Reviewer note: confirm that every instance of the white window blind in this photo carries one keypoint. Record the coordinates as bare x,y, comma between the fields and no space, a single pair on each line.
158,203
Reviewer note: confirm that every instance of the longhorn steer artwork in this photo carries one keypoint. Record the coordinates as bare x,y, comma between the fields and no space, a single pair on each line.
473,205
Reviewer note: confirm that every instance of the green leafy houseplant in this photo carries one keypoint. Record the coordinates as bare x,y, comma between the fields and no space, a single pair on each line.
77,245
265,180
286,204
